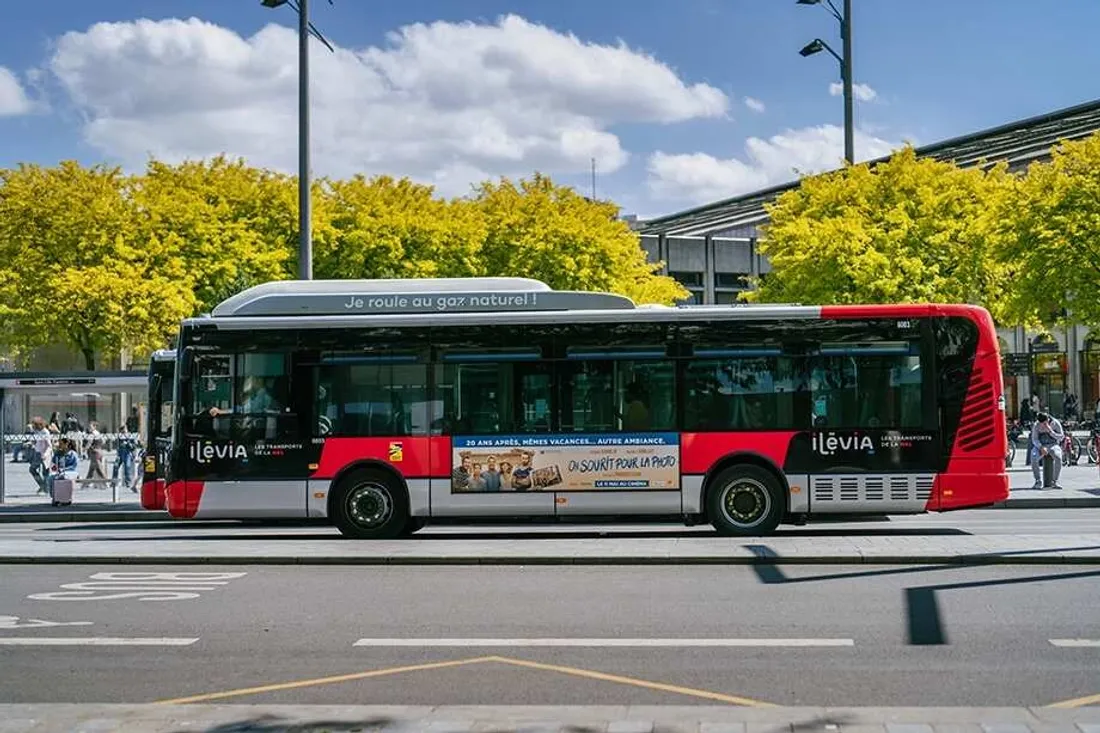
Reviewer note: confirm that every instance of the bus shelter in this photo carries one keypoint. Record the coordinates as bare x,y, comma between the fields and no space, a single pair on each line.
109,398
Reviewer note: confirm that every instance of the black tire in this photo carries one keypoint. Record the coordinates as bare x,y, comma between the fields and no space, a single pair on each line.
414,525
745,501
370,505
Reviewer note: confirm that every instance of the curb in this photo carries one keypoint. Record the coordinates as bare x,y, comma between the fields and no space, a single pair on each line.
68,515
1007,558
1051,503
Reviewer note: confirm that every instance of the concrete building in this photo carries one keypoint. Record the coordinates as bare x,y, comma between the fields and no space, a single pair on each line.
712,250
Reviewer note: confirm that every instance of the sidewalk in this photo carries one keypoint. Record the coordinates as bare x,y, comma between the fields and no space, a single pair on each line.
537,719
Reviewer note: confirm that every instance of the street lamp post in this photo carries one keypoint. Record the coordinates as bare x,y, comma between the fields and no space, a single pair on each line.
845,60
305,222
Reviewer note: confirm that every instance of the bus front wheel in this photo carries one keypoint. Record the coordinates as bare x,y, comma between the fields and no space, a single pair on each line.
369,505
744,501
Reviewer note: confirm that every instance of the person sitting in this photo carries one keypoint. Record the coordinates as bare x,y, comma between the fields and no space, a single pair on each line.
1047,436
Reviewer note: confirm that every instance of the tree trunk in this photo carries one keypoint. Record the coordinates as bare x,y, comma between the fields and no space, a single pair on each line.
89,364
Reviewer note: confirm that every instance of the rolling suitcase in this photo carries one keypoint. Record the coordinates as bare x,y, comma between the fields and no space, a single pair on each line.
63,492
1048,472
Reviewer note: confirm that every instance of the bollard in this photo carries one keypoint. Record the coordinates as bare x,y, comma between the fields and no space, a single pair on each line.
1048,471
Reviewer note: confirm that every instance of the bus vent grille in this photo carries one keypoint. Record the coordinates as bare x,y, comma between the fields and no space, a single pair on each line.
978,415
870,492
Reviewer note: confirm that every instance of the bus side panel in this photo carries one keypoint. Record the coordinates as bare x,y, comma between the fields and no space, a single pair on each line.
414,458
975,473
409,456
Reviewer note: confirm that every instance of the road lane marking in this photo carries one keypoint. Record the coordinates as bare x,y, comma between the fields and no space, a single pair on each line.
1079,643
602,643
1077,702
321,681
13,622
142,586
635,682
94,641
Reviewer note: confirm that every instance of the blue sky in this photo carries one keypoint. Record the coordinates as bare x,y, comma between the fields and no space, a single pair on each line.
657,97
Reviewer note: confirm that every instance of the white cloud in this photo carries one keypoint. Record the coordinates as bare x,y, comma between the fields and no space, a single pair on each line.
449,103
862,92
699,177
13,99
754,104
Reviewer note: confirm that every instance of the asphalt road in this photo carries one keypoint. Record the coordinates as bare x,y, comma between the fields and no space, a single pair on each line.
837,636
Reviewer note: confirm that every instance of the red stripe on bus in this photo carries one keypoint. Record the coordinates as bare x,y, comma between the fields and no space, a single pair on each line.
700,451
410,456
182,498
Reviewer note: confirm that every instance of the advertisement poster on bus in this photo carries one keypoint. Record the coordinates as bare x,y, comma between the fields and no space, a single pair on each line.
578,462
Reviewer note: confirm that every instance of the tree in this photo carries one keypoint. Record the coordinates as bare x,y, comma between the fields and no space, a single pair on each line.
551,233
906,230
1051,236
233,225
389,228
74,270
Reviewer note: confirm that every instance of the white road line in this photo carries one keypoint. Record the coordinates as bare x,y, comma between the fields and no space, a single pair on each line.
638,643
1076,642
94,641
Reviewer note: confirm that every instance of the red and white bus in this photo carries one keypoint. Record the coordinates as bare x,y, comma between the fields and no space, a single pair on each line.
382,405
158,428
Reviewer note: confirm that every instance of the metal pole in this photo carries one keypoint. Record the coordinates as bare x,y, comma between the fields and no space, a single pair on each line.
305,241
846,73
3,447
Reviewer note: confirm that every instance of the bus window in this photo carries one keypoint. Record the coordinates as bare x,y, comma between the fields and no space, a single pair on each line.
371,397
628,395
743,392
877,386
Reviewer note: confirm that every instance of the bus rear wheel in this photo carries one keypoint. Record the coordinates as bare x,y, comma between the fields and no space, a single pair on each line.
369,505
744,501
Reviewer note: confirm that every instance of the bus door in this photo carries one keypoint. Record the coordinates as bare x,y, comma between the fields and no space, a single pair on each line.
618,451
242,446
493,406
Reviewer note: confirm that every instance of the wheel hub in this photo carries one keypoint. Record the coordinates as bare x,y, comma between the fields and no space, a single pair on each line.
369,505
746,503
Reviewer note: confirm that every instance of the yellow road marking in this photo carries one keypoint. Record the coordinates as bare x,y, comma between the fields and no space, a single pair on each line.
321,681
675,689
1077,702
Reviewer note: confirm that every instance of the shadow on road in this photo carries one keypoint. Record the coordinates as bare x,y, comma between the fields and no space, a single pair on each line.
924,621
274,723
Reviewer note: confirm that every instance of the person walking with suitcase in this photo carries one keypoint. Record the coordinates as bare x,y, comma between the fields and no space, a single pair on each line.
66,469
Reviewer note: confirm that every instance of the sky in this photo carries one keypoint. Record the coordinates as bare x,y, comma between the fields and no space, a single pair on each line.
679,103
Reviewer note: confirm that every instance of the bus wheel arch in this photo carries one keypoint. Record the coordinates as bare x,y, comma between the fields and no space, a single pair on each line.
745,494
369,500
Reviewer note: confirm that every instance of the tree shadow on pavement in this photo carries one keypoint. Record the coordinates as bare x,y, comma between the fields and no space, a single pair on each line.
277,724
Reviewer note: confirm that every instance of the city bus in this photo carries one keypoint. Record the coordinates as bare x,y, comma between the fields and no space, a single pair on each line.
158,428
383,405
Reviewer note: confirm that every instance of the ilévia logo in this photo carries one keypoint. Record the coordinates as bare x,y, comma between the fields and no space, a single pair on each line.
207,452
828,444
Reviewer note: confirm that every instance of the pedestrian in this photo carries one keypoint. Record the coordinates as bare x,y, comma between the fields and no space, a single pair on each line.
124,459
96,471
1026,415
1069,407
41,457
66,464
1047,436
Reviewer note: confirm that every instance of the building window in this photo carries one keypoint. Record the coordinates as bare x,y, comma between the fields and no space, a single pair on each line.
732,280
693,281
